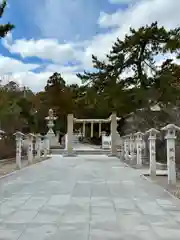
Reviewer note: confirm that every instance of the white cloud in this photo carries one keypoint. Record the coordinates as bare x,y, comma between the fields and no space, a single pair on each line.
71,78
160,59
14,70
65,69
142,13
35,81
137,14
67,72
49,49
111,20
10,65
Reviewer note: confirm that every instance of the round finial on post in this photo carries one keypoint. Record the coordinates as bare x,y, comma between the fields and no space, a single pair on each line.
170,131
152,132
51,113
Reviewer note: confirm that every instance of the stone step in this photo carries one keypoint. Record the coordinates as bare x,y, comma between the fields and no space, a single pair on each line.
82,152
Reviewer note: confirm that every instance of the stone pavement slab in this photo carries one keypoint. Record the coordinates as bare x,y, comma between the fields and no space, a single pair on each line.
85,197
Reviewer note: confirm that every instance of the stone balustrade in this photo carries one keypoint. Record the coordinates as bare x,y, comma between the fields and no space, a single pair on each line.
27,141
152,133
30,138
38,145
134,144
139,147
19,138
45,146
170,136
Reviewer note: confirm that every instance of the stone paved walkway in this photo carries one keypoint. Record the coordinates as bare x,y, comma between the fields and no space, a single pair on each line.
85,147
86,197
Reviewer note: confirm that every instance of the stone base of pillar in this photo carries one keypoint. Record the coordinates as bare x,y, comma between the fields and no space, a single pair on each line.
18,167
132,160
66,154
139,166
171,184
172,187
112,155
152,174
119,155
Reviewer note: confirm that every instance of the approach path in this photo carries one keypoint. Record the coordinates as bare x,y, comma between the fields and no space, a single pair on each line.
85,198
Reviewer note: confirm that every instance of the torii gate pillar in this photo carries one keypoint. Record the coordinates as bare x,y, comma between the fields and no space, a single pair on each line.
113,134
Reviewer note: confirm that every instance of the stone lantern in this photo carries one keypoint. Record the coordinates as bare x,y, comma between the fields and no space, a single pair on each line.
170,137
53,140
38,145
30,138
152,150
139,146
19,137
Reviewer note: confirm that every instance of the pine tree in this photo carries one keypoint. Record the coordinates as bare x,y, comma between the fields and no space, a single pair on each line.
4,28
137,53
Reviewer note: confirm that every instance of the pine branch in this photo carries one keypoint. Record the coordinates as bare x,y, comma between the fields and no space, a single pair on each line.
2,7
5,28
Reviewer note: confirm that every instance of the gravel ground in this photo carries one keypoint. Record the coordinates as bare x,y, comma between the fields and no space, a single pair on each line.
163,181
10,165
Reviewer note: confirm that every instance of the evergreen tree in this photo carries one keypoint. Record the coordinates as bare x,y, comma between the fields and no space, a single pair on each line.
4,28
137,53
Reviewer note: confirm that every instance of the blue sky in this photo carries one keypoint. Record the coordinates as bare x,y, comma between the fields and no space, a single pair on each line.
78,17
61,35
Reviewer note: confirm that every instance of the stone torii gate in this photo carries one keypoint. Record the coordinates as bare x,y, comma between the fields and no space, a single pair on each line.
70,124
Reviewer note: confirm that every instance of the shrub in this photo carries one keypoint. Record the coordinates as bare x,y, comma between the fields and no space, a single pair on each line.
7,147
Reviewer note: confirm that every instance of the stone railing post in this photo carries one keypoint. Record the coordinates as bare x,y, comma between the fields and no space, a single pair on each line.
84,129
129,144
45,149
131,139
152,150
92,129
102,137
122,148
30,137
100,126
2,133
65,141
113,134
19,137
139,146
70,123
38,145
170,137
126,147
47,143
